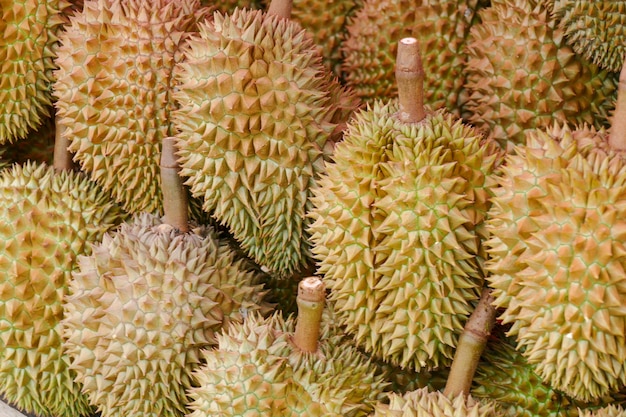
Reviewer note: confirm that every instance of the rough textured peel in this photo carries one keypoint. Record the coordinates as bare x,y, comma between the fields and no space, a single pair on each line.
256,118
113,90
46,221
558,258
397,219
28,29
142,306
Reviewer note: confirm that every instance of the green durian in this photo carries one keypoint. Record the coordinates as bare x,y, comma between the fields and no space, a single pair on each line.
441,27
557,258
143,305
47,221
28,29
521,75
422,403
396,228
259,368
595,29
114,91
257,117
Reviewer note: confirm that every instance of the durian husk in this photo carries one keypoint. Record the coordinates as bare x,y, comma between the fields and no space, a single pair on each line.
28,29
608,411
397,214
258,113
113,90
370,48
521,75
257,369
48,219
595,30
142,307
557,258
423,403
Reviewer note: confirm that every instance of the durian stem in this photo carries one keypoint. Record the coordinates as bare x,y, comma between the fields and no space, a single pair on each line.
617,137
280,8
62,158
311,297
471,345
175,204
410,80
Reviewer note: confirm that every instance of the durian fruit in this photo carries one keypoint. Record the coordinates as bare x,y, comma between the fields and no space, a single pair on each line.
328,25
521,75
441,27
28,29
557,254
595,29
146,301
396,226
47,219
257,116
278,367
113,90
38,146
504,376
423,403
608,411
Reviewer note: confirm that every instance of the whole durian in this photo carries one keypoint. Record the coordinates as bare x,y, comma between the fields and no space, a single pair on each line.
279,367
370,47
142,306
397,223
422,403
557,254
521,75
595,29
28,29
113,90
47,220
256,119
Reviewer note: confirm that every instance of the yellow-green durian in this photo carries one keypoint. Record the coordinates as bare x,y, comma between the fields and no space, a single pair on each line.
114,91
256,119
143,305
422,403
557,258
369,48
28,29
595,29
521,75
47,220
257,370
397,221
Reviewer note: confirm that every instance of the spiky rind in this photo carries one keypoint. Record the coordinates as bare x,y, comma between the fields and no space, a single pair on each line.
28,29
275,376
142,306
395,216
595,30
47,220
521,75
608,411
113,90
557,259
253,125
422,403
371,45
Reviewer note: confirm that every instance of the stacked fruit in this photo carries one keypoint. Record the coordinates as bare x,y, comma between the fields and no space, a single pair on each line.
453,172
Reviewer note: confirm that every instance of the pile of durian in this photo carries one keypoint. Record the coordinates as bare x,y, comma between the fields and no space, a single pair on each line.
359,208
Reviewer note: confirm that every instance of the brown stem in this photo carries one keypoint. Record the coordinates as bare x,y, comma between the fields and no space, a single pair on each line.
471,345
410,80
62,158
617,137
175,205
280,8
311,297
